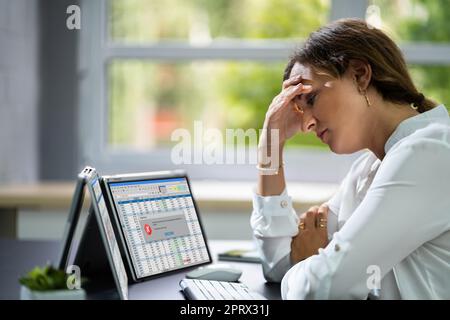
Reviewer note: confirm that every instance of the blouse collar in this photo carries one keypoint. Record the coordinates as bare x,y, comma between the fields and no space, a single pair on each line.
408,126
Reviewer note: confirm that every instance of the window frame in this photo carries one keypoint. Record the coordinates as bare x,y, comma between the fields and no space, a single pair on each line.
95,53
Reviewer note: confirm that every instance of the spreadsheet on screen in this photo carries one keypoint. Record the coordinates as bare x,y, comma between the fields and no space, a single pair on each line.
160,225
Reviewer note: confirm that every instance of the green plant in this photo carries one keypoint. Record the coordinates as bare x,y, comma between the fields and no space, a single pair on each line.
45,278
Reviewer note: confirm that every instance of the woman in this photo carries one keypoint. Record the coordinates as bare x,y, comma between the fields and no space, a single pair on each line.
386,232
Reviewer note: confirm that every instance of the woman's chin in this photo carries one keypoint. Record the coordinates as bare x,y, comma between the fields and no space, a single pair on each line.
339,149
333,147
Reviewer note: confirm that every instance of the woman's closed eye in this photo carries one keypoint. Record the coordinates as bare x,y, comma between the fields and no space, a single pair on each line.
311,98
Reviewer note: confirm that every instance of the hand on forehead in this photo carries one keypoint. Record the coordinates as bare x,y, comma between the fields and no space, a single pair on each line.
310,76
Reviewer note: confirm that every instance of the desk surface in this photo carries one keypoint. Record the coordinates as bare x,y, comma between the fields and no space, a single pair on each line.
17,257
236,194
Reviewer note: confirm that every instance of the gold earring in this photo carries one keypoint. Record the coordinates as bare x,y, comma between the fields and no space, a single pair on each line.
365,96
367,100
299,109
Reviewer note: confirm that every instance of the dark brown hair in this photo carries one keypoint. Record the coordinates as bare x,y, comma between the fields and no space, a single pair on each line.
331,48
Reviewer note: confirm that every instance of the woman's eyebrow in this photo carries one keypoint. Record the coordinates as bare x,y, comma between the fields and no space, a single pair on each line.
307,81
308,95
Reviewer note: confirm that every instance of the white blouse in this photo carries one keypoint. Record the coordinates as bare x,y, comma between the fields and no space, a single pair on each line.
389,221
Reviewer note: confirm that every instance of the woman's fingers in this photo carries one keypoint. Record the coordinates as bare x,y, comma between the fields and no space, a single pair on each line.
312,233
287,95
322,217
283,114
307,219
294,80
293,91
314,217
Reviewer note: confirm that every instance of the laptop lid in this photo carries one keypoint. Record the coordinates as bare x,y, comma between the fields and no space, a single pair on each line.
158,222
106,231
72,221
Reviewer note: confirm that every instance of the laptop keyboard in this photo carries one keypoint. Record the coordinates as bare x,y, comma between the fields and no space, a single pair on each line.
217,290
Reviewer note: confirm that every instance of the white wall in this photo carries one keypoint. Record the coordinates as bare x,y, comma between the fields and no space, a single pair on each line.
19,90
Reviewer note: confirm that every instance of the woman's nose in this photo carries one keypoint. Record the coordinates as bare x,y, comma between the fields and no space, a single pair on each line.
309,122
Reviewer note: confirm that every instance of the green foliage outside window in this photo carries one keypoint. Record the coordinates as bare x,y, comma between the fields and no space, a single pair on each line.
421,21
234,94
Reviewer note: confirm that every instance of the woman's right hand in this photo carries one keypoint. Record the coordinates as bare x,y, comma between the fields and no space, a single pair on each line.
283,116
312,233
283,113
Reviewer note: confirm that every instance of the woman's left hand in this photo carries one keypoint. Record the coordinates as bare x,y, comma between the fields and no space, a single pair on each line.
312,233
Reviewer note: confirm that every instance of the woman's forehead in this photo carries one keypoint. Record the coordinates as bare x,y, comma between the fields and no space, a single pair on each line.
305,71
309,75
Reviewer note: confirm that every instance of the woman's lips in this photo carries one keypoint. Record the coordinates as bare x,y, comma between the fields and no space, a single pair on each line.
321,135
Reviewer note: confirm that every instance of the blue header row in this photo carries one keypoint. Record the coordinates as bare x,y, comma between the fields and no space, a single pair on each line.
121,184
153,199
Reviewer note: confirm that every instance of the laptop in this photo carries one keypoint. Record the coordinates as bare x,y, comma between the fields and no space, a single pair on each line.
157,221
98,253
149,221
159,227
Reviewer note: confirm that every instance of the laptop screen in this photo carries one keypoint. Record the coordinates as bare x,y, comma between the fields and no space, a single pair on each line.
107,233
160,225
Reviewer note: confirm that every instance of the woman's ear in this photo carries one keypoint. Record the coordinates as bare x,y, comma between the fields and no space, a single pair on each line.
361,73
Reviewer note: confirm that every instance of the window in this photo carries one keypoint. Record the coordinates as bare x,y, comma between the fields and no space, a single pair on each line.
434,81
422,27
148,99
414,20
149,67
200,21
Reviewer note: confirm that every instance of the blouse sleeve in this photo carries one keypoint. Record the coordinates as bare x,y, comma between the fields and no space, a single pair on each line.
406,205
274,223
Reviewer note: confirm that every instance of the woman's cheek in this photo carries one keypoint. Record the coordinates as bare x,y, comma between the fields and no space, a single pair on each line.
340,143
